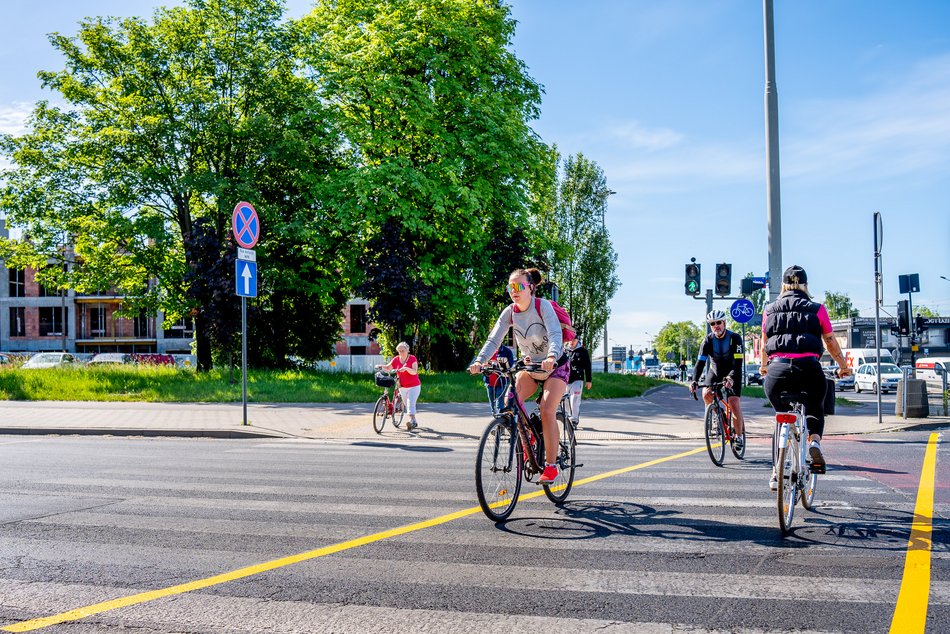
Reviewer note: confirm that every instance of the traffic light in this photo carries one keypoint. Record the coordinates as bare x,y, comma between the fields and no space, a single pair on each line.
692,279
903,318
723,279
749,285
922,324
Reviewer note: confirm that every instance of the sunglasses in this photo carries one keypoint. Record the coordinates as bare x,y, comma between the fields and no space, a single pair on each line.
717,323
515,287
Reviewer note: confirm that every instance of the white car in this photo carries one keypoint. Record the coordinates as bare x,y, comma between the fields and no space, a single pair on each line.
866,378
50,360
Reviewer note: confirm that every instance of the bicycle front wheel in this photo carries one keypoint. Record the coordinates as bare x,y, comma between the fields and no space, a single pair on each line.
714,435
498,469
399,411
558,491
811,487
787,484
380,413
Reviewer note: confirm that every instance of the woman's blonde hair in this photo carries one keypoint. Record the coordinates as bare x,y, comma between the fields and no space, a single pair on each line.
401,345
796,287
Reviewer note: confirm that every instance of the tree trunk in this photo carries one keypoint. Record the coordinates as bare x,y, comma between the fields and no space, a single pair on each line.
203,341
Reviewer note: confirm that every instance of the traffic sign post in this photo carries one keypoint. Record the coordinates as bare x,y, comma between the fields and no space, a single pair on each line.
246,227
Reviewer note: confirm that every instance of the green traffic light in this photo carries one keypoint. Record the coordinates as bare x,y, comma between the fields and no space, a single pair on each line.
692,286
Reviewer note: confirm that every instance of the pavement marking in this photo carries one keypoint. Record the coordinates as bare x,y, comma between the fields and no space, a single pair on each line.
240,573
910,614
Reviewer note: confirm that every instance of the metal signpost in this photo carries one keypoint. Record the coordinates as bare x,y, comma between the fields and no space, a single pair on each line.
246,227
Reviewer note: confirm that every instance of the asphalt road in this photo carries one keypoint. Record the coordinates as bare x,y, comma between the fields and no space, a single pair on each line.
674,545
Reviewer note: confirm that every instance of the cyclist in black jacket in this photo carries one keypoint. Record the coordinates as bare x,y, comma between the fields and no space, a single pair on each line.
723,349
580,377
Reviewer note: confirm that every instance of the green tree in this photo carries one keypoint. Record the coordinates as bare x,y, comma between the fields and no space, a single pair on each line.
839,306
434,107
682,338
170,123
925,311
580,254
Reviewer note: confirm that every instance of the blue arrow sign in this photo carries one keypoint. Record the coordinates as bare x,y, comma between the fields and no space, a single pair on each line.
245,278
742,310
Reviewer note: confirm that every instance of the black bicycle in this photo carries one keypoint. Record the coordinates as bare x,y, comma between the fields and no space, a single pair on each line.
512,449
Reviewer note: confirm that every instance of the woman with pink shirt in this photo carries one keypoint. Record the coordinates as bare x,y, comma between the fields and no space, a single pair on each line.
407,369
794,333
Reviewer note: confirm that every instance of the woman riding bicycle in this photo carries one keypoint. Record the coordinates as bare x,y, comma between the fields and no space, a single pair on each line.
793,328
537,332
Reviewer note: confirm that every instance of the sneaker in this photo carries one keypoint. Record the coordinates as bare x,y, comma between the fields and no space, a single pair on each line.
549,475
739,442
817,460
412,424
773,482
574,423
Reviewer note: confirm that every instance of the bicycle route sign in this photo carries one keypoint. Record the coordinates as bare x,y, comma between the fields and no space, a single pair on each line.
742,311
245,225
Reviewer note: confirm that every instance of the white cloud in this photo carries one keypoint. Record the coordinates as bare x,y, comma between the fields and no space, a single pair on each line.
13,117
643,138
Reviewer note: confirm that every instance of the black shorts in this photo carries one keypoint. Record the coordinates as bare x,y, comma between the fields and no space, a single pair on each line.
736,388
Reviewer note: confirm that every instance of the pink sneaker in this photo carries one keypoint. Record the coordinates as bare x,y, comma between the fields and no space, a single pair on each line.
549,475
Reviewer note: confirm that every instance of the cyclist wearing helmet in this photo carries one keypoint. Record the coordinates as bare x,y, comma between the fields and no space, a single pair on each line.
723,349
793,330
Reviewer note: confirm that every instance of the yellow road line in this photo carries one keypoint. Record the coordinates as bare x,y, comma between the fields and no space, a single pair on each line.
910,614
240,573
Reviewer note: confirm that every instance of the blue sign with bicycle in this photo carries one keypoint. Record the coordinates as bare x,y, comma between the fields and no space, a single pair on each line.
742,311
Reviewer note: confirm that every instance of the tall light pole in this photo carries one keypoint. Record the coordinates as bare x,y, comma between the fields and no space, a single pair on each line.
603,226
771,156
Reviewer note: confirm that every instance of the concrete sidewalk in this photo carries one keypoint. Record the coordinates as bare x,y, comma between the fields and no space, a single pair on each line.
662,414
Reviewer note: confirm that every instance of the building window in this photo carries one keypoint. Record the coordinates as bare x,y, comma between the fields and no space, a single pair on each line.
51,320
17,282
97,321
140,323
357,350
17,321
184,328
357,318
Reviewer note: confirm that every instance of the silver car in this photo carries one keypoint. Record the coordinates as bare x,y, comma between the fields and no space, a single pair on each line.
50,360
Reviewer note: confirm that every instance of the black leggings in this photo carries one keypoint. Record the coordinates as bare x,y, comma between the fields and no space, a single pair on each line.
799,375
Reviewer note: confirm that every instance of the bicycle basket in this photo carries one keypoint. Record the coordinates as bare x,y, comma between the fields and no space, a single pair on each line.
384,380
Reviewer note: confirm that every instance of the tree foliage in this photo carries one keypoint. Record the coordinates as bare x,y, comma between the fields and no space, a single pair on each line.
434,107
168,124
682,338
577,246
839,306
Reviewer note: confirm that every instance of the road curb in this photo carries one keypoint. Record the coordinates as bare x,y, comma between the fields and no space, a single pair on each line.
176,433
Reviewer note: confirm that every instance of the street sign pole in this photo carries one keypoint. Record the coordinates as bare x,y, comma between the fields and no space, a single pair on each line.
246,226
244,355
878,235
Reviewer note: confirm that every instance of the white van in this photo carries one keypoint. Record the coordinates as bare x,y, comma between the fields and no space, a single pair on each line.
856,357
930,369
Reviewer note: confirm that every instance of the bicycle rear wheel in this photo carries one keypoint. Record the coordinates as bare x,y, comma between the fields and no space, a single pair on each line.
714,435
787,484
498,469
811,487
558,491
380,413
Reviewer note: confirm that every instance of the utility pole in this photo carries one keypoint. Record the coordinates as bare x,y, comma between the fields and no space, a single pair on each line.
771,150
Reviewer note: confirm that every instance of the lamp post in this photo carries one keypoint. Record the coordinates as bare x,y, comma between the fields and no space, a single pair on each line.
603,226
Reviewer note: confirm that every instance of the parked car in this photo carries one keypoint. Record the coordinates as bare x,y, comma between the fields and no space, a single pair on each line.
670,371
5,359
110,358
654,373
845,383
752,376
50,360
866,378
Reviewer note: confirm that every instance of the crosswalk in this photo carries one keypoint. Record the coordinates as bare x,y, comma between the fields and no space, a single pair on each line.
388,537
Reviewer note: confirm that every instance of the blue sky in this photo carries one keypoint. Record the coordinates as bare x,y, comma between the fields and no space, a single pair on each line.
668,98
